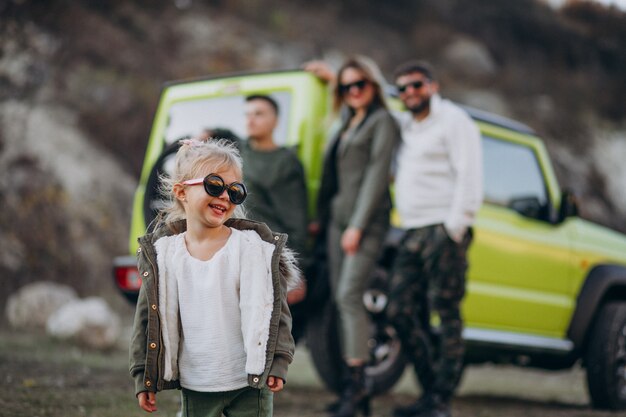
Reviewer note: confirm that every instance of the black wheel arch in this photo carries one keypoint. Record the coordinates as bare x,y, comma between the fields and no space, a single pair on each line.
603,283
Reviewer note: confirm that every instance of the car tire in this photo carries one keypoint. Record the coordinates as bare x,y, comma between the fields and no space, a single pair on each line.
322,340
605,358
323,343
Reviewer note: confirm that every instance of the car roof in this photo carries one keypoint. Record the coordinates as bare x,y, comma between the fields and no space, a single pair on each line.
497,120
390,90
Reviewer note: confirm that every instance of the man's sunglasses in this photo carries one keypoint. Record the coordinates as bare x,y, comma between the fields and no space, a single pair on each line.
360,85
214,186
415,84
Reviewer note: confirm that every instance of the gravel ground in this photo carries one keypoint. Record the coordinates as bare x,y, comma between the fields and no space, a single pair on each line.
40,377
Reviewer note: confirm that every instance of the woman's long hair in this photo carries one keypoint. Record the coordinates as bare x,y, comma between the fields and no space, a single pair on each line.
370,72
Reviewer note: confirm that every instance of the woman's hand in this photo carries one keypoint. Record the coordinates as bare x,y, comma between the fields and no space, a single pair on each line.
314,228
350,240
275,383
147,401
321,70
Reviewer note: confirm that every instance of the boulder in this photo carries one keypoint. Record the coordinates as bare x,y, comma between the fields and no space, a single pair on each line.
470,57
32,304
89,322
483,99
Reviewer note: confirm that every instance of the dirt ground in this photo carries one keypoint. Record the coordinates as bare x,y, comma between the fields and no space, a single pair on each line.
40,377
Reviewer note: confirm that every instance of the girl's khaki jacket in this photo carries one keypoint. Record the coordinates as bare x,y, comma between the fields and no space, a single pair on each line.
146,355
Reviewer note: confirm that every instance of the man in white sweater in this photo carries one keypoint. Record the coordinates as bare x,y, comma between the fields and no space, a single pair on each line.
438,190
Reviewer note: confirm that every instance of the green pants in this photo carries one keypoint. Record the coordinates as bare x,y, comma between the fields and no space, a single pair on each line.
244,402
349,279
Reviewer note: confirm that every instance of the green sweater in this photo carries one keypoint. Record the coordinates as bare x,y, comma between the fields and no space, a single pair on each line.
277,193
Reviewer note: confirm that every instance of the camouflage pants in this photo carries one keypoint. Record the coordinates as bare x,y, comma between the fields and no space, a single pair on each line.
429,277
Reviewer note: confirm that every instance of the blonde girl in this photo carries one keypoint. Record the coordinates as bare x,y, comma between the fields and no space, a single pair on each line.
212,316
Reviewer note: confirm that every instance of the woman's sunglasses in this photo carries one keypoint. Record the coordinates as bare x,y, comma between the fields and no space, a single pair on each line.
214,186
345,88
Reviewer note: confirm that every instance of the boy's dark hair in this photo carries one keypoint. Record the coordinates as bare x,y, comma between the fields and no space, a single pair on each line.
414,66
265,98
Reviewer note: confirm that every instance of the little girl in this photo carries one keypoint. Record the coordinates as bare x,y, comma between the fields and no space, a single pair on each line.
212,316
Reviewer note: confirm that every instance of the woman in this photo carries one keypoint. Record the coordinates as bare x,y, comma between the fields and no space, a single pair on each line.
354,205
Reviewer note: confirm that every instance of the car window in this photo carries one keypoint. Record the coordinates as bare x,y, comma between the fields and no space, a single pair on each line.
511,172
192,117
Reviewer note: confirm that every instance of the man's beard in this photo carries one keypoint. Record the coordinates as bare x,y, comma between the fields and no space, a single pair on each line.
419,108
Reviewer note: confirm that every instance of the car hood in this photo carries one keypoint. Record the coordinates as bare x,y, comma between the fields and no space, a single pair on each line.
598,243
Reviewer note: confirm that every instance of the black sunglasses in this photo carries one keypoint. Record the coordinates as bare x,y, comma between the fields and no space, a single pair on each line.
214,186
415,84
360,85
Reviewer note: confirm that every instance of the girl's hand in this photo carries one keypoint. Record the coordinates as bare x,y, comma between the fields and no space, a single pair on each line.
350,240
275,383
147,401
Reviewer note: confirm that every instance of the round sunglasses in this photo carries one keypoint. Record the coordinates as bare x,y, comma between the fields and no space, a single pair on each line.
214,186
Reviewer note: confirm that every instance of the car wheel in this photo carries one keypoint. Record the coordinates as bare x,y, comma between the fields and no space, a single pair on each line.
322,340
605,358
387,361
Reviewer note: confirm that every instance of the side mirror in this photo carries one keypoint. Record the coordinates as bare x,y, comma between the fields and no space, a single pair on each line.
527,207
569,206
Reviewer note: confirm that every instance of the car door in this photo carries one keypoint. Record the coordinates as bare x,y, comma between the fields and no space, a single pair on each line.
519,260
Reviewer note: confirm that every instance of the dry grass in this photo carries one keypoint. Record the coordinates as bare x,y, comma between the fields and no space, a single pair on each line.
46,378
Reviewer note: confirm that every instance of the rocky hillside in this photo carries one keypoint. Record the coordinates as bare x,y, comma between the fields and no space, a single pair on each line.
79,82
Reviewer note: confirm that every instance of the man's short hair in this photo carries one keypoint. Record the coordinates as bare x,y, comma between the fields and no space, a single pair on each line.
265,98
414,66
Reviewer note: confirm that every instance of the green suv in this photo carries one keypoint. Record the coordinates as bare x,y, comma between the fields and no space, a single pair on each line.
545,287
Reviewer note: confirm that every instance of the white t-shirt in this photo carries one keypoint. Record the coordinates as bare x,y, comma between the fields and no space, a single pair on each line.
223,306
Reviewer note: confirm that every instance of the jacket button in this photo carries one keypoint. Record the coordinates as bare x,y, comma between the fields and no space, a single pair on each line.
148,383
152,345
255,379
145,274
154,307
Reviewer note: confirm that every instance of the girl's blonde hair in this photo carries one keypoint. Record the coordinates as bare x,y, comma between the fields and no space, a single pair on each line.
196,158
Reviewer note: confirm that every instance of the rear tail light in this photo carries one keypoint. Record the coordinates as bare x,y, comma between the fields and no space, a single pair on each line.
126,274
127,278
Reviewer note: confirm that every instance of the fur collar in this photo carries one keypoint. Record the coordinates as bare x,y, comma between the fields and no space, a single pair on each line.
288,265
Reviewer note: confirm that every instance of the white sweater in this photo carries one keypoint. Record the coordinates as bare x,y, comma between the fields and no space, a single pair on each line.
439,169
224,307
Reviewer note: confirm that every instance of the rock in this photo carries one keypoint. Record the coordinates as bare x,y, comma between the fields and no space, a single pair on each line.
486,100
470,57
13,254
89,322
608,157
32,304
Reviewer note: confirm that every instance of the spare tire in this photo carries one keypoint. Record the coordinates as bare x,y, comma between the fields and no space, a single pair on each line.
387,362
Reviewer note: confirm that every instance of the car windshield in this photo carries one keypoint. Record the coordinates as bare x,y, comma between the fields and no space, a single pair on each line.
193,117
